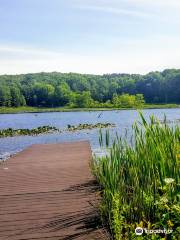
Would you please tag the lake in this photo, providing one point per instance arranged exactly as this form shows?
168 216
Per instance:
123 119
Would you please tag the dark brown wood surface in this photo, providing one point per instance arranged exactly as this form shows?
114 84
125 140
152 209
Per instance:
48 192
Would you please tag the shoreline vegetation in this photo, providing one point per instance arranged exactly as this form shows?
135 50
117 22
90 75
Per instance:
9 132
139 181
27 109
87 91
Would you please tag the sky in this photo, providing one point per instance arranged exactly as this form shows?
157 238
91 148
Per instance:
89 36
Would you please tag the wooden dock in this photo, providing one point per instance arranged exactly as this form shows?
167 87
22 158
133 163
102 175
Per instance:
48 193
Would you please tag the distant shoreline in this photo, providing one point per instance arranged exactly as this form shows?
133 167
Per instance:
15 110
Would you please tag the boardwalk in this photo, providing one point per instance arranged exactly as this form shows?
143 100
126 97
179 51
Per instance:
47 192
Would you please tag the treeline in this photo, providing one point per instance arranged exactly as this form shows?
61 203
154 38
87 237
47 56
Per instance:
82 90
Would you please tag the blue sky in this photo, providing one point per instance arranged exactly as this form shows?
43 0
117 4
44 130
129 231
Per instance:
89 36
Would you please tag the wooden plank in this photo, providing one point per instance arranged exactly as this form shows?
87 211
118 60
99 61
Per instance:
47 192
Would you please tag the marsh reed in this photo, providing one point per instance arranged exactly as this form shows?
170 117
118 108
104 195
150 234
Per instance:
139 180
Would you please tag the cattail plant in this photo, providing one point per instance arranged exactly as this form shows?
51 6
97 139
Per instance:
140 179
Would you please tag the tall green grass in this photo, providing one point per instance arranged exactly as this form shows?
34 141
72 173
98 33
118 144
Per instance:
140 180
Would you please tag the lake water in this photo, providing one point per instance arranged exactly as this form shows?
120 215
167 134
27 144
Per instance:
123 119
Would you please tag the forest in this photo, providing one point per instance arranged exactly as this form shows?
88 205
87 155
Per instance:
85 90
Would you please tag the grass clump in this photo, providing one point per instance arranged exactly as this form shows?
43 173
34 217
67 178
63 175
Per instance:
140 181
83 126
9 132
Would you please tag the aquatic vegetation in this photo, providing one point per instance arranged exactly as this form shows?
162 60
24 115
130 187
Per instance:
9 132
89 126
139 181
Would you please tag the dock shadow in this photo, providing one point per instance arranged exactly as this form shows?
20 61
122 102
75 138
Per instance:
80 223
90 186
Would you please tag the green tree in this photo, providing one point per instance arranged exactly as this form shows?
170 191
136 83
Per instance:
60 89
44 94
81 100
17 97
124 100
139 100
5 96
62 94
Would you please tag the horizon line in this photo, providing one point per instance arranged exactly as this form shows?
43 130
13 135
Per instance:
120 73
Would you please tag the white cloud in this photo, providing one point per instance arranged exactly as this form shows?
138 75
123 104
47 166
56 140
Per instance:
135 57
162 11
27 51
111 46
157 3
119 11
